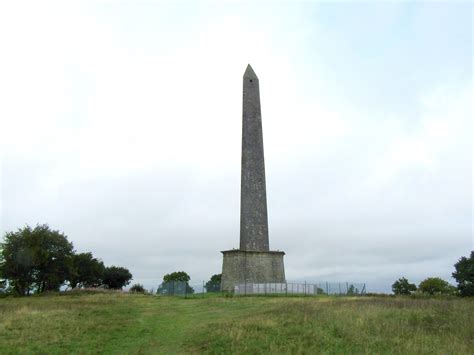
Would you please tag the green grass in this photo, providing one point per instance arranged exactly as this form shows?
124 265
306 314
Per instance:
131 323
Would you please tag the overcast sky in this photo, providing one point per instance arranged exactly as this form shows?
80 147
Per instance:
121 127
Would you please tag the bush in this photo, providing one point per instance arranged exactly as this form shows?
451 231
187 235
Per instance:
137 288
436 286
403 287
464 275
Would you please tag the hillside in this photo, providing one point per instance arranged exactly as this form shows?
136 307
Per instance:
130 323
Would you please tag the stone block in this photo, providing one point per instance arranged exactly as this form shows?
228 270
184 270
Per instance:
244 266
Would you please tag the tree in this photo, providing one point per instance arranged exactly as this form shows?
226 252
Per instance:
137 288
87 271
464 275
179 276
436 286
176 276
116 277
37 259
403 287
214 284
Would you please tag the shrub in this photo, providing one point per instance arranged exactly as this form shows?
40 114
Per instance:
436 286
137 288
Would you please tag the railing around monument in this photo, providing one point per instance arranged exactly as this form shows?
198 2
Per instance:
295 288
184 289
175 288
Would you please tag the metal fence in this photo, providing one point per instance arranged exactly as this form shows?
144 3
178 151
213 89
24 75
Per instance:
185 289
175 288
181 288
295 288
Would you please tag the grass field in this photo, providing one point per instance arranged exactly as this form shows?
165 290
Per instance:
131 323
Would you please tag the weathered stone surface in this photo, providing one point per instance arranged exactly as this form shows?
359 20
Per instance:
253 203
253 262
243 266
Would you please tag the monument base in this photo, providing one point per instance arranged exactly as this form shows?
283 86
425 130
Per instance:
245 266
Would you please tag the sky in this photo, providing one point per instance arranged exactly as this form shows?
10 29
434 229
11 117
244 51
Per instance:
120 125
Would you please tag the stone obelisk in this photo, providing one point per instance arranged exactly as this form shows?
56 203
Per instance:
253 262
253 195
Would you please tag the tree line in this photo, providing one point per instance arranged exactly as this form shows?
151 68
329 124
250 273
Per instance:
36 260
39 259
463 274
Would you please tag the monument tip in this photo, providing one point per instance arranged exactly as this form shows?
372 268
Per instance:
249 73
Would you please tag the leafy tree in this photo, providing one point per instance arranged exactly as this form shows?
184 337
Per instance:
87 271
37 259
214 284
464 275
403 287
176 276
116 277
137 288
179 276
436 286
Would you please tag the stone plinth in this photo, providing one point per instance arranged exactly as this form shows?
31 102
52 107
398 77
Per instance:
246 266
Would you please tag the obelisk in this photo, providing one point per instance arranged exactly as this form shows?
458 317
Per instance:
253 195
253 263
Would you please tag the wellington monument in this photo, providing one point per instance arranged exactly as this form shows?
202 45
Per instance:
253 262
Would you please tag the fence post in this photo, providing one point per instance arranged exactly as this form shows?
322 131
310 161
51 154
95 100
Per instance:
347 288
305 287
340 293
286 289
203 289
327 288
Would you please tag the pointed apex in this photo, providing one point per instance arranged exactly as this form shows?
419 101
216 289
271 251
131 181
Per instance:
249 73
